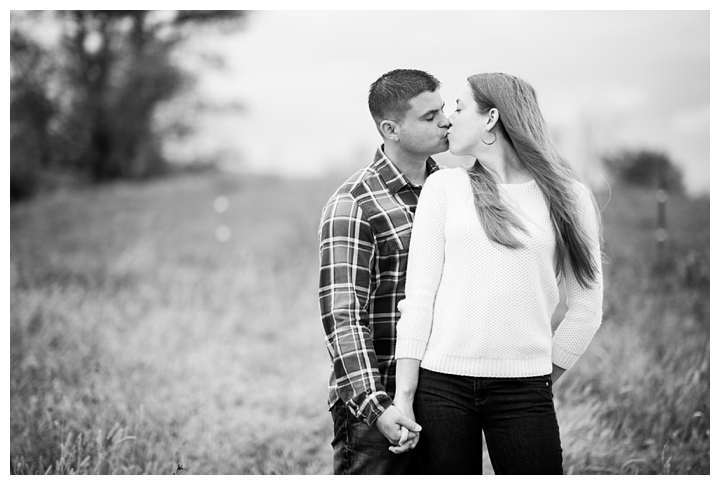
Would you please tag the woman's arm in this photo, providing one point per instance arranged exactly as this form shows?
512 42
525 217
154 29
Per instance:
584 314
426 259
407 371
406 378
425 264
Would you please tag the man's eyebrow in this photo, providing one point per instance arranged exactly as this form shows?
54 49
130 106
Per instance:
432 111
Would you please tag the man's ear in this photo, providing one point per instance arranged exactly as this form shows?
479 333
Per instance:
389 129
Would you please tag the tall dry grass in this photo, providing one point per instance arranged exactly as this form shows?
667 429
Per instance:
140 341
638 401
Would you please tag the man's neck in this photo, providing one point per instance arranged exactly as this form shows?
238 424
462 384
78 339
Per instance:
413 166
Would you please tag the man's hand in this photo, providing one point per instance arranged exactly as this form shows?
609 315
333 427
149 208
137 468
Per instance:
391 424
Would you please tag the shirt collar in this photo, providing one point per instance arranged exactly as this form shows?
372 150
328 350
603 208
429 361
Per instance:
394 179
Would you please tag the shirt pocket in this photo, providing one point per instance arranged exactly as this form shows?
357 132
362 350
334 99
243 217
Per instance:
394 241
391 223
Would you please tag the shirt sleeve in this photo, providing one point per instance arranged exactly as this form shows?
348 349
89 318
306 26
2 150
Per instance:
425 264
584 314
347 252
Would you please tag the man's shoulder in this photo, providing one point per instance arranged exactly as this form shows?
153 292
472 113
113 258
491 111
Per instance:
345 198
358 184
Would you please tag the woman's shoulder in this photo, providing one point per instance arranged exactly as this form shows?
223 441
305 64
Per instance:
447 176
584 199
581 191
447 181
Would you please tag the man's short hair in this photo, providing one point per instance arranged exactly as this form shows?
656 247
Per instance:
389 97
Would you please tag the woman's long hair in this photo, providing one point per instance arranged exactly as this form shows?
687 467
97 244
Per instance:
522 124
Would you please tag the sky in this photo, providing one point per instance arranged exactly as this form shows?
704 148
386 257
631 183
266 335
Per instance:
606 81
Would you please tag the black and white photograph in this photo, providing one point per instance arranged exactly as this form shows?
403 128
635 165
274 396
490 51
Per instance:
367 239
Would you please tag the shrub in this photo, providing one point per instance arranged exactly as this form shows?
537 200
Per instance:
645 168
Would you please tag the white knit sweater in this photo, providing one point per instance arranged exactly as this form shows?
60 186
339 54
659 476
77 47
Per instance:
476 308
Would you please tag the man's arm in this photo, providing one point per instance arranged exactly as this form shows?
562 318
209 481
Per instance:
347 252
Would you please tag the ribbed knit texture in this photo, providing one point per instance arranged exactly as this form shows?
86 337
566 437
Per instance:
476 308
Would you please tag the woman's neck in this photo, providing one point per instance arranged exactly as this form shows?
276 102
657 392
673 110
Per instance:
504 163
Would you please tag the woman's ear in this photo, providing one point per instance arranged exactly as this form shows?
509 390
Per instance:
493 118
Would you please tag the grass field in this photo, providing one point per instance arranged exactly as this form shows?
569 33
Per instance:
139 340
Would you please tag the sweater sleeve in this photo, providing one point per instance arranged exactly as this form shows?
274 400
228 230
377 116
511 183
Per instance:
584 314
424 270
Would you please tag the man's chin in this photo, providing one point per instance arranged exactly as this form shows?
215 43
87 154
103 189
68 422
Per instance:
440 148
445 146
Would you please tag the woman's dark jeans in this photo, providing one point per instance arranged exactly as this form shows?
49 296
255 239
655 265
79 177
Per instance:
517 416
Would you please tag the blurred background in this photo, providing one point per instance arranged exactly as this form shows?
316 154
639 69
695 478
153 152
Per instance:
167 173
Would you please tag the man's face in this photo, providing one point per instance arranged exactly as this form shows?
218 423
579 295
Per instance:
424 129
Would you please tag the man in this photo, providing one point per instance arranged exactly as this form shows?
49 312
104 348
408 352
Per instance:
364 241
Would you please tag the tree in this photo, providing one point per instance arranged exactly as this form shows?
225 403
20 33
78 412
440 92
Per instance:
645 168
31 111
114 69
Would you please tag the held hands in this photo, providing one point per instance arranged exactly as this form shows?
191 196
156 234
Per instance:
406 442
401 430
407 374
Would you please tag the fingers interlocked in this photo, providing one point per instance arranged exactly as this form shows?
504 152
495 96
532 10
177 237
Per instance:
408 440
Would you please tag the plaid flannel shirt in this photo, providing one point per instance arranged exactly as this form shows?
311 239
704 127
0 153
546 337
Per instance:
364 241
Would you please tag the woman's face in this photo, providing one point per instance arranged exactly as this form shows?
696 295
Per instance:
466 125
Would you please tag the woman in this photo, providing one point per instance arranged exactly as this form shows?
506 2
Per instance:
475 349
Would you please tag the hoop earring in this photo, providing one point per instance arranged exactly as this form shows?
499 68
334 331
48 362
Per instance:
483 138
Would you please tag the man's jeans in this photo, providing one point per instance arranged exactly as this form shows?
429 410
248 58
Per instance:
360 449
517 416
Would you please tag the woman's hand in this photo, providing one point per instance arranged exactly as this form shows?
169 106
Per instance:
406 384
408 440
396 426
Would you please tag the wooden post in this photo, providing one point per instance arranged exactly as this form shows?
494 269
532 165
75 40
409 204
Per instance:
661 196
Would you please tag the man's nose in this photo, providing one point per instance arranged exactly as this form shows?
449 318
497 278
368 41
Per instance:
444 121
